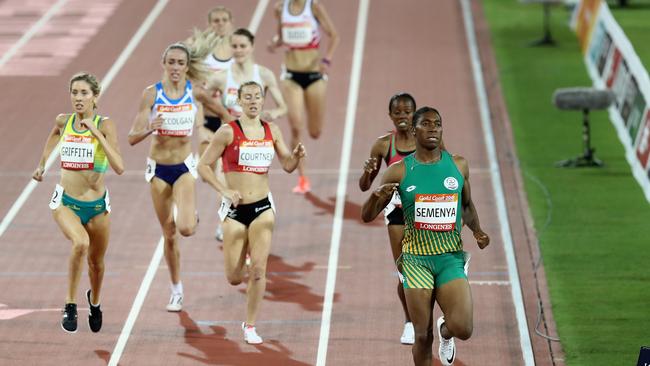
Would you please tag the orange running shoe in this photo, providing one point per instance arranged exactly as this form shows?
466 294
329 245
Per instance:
303 185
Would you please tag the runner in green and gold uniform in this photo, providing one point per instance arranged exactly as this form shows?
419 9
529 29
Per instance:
436 199
80 204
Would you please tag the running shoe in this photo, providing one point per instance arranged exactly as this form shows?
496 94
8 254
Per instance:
303 186
250 334
175 303
94 315
218 234
69 321
408 334
447 349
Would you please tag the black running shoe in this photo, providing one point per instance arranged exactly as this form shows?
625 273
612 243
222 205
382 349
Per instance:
69 321
94 315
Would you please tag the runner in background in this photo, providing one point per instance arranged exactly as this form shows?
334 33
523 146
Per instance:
80 203
220 26
304 72
391 148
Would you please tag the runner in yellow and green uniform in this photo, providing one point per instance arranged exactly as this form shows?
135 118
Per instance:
80 205
436 199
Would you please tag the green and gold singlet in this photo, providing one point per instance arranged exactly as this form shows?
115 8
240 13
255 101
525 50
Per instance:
81 150
431 200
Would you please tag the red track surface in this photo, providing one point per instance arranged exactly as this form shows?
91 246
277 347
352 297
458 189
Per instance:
420 48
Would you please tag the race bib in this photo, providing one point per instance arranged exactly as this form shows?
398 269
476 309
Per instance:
436 212
57 197
256 155
297 34
178 120
77 152
224 209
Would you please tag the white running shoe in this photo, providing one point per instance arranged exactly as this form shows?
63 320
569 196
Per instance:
447 348
218 234
250 334
408 334
175 303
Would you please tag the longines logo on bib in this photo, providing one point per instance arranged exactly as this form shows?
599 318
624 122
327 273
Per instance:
451 183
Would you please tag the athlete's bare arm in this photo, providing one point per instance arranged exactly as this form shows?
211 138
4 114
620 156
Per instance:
382 195
328 28
220 140
276 41
141 126
289 159
217 82
51 142
372 165
470 216
272 87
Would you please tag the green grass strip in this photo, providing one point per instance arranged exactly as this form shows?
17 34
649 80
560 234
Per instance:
593 223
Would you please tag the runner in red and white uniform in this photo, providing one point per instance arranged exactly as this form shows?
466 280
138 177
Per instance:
247 147
304 73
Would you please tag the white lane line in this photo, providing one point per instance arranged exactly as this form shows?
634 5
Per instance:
346 151
106 82
486 123
31 32
258 15
137 304
158 253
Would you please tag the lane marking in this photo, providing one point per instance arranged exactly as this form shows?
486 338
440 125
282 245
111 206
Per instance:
137 303
51 50
158 254
346 151
486 123
31 32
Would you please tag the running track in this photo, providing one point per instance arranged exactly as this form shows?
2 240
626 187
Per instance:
330 296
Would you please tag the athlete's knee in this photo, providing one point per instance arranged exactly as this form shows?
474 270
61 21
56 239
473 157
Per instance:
80 245
186 230
95 265
424 338
169 230
461 330
314 133
257 272
234 278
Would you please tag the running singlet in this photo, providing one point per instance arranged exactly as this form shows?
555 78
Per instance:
248 156
81 150
395 155
178 114
300 31
431 200
229 97
215 64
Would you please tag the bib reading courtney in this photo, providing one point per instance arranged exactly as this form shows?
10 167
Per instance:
256 155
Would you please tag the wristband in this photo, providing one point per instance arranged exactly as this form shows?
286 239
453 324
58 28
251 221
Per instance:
326 61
